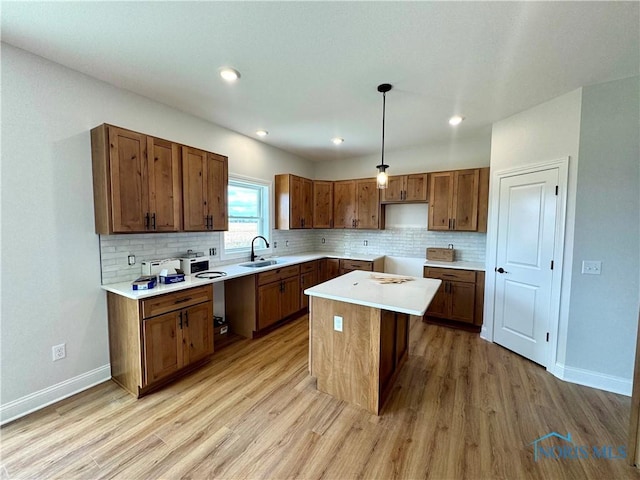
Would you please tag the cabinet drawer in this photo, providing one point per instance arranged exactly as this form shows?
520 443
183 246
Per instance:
278 274
308 267
356 265
173 301
450 274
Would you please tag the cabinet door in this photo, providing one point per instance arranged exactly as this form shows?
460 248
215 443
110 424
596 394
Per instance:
440 197
462 301
465 200
307 280
333 268
290 296
395 189
295 201
328 268
368 204
165 190
322 204
387 347
197 337
129 183
439 306
402 335
162 347
307 203
217 181
344 204
416 187
269 304
194 186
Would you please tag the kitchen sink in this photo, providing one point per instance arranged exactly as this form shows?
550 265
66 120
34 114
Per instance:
259 263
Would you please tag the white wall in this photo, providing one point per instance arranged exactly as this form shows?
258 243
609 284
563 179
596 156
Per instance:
546 132
50 255
598 315
603 312
468 152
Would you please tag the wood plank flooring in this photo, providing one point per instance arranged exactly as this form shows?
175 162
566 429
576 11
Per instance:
460 408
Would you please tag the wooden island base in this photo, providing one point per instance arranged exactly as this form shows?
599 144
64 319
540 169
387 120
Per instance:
360 363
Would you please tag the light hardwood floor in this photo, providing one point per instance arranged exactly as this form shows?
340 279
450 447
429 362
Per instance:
461 408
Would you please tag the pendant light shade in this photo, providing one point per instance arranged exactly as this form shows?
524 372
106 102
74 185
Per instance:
382 178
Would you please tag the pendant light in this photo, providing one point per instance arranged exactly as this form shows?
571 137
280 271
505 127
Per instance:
382 178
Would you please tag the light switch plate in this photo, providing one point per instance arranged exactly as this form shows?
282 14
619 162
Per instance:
591 267
337 323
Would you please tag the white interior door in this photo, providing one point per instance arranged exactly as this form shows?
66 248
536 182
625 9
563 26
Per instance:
523 273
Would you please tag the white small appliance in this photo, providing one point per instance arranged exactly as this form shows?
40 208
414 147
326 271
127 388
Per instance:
154 267
193 265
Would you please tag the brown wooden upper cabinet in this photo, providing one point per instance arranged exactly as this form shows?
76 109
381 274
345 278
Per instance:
204 178
458 200
294 200
411 188
356 204
136 182
322 204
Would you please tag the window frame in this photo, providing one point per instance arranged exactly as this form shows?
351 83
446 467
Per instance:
265 187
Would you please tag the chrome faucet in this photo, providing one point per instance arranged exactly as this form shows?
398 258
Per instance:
253 255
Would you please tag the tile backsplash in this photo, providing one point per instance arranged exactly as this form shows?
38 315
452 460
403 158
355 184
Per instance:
401 242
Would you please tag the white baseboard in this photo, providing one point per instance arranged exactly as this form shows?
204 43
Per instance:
37 400
589 378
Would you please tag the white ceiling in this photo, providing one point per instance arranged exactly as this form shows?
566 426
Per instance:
310 69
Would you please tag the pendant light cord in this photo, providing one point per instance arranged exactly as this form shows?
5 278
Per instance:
384 108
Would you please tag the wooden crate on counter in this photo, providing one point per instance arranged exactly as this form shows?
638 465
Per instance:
441 254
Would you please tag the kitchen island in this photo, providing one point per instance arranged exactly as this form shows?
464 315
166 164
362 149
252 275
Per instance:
359 333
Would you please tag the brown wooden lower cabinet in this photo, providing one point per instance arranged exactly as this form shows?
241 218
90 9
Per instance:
328 268
309 275
154 340
254 303
348 265
460 298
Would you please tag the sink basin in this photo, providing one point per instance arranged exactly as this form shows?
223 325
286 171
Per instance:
259 263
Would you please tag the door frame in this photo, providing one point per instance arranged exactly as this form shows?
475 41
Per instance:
562 164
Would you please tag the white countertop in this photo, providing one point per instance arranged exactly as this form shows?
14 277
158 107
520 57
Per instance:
461 265
360 288
232 271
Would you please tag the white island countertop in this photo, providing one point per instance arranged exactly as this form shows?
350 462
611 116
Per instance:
361 288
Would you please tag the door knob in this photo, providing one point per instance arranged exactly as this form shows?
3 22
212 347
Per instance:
501 270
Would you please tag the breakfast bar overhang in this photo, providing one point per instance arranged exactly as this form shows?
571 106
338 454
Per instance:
359 333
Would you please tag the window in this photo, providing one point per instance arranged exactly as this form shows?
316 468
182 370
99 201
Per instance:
248 208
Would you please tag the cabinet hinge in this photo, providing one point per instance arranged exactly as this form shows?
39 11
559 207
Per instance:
556 190
547 336
551 264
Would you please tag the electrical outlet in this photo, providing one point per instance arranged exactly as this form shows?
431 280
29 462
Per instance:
275 244
591 267
286 243
337 323
366 243
131 259
212 252
323 240
59 351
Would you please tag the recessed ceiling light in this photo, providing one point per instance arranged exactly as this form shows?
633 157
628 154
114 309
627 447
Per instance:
337 140
262 133
455 120
229 74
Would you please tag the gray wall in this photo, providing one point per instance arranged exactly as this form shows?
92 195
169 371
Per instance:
603 311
